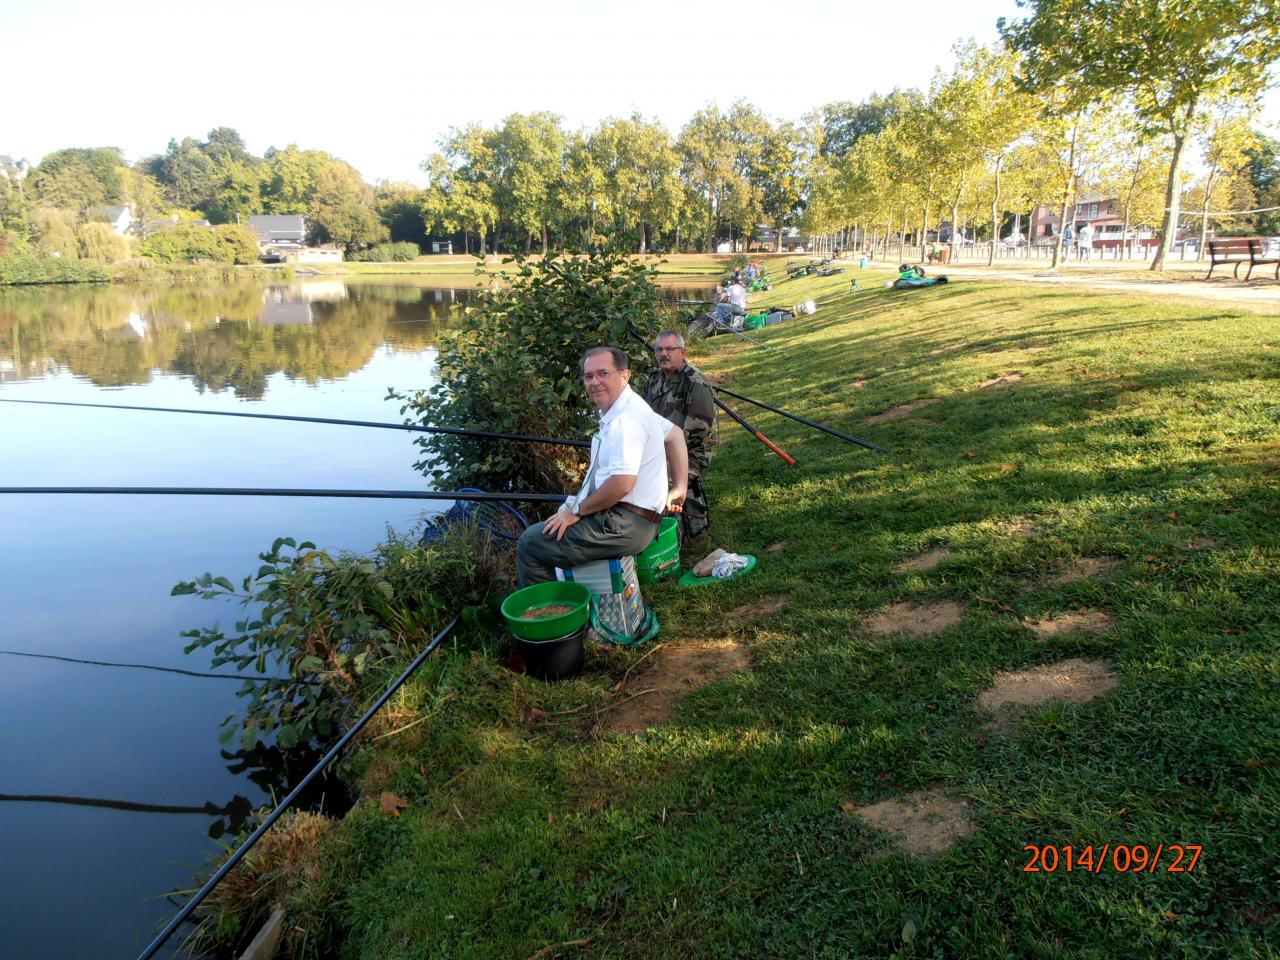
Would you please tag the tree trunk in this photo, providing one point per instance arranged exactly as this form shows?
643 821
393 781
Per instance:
924 230
777 246
1124 234
643 243
1204 226
1172 197
995 214
711 222
1068 187
544 239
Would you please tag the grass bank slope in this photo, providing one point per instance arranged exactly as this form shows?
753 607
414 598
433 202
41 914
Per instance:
1049 616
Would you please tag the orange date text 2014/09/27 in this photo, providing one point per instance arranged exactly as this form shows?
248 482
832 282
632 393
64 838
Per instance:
1116 858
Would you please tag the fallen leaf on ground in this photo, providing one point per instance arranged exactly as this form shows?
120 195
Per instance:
530 715
391 805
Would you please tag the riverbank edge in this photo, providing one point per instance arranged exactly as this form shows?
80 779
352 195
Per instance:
461 814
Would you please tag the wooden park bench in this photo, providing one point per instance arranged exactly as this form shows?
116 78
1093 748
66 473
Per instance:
1241 250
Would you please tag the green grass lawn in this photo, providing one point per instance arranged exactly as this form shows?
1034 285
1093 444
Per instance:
1142 434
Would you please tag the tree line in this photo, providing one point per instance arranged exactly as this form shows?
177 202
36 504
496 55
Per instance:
1108 97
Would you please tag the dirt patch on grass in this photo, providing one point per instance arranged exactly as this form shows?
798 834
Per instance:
917 619
1068 681
756 610
776 548
945 348
1084 568
1085 620
897 413
1022 529
719 379
1198 543
922 824
925 561
859 384
1002 381
677 671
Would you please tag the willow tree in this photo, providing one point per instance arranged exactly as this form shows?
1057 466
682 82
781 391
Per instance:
1170 57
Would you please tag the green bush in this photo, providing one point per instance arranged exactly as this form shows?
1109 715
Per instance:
323 620
400 252
186 243
22 266
511 366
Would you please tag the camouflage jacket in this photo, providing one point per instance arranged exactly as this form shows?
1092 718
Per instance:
685 399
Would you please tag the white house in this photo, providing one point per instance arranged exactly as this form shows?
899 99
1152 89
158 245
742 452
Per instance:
12 169
279 234
120 218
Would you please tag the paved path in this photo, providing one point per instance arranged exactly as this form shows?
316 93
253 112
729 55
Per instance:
1257 292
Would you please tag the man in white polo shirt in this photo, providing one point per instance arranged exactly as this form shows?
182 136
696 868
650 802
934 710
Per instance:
618 509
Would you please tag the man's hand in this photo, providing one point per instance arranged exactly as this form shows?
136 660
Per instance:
675 500
560 521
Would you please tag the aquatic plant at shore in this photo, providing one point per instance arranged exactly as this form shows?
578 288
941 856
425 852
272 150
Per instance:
315 622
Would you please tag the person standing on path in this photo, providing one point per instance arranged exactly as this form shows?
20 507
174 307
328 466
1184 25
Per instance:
677 391
618 509
1084 240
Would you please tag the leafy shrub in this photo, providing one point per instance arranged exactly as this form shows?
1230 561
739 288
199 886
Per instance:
738 261
227 243
512 366
323 620
23 266
399 252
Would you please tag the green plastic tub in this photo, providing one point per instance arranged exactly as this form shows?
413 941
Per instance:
662 557
576 595
755 321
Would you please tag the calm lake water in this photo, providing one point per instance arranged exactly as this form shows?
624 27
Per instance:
85 871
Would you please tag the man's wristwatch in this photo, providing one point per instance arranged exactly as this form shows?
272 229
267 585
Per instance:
576 508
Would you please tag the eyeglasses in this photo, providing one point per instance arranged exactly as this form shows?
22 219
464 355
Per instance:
666 349
589 375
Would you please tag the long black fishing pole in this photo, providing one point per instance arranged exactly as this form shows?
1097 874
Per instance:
804 420
280 492
149 666
127 805
414 428
284 805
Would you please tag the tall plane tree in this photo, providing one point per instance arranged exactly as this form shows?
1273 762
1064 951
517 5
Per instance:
1170 58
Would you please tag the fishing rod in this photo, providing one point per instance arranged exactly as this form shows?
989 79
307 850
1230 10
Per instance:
284 805
127 805
284 492
724 326
149 666
451 431
804 420
787 458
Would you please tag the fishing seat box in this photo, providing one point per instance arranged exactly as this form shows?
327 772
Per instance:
616 589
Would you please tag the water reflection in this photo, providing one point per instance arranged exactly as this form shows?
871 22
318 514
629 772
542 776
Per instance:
226 338
118 766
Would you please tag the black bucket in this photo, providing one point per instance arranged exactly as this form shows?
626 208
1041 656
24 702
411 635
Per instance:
556 659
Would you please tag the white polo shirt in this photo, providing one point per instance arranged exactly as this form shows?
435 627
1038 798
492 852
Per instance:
738 295
630 443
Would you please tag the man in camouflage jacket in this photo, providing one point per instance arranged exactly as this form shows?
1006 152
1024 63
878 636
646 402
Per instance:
679 392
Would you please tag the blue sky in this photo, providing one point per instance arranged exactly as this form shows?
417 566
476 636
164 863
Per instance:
377 83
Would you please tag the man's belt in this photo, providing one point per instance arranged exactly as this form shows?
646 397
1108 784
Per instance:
653 516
